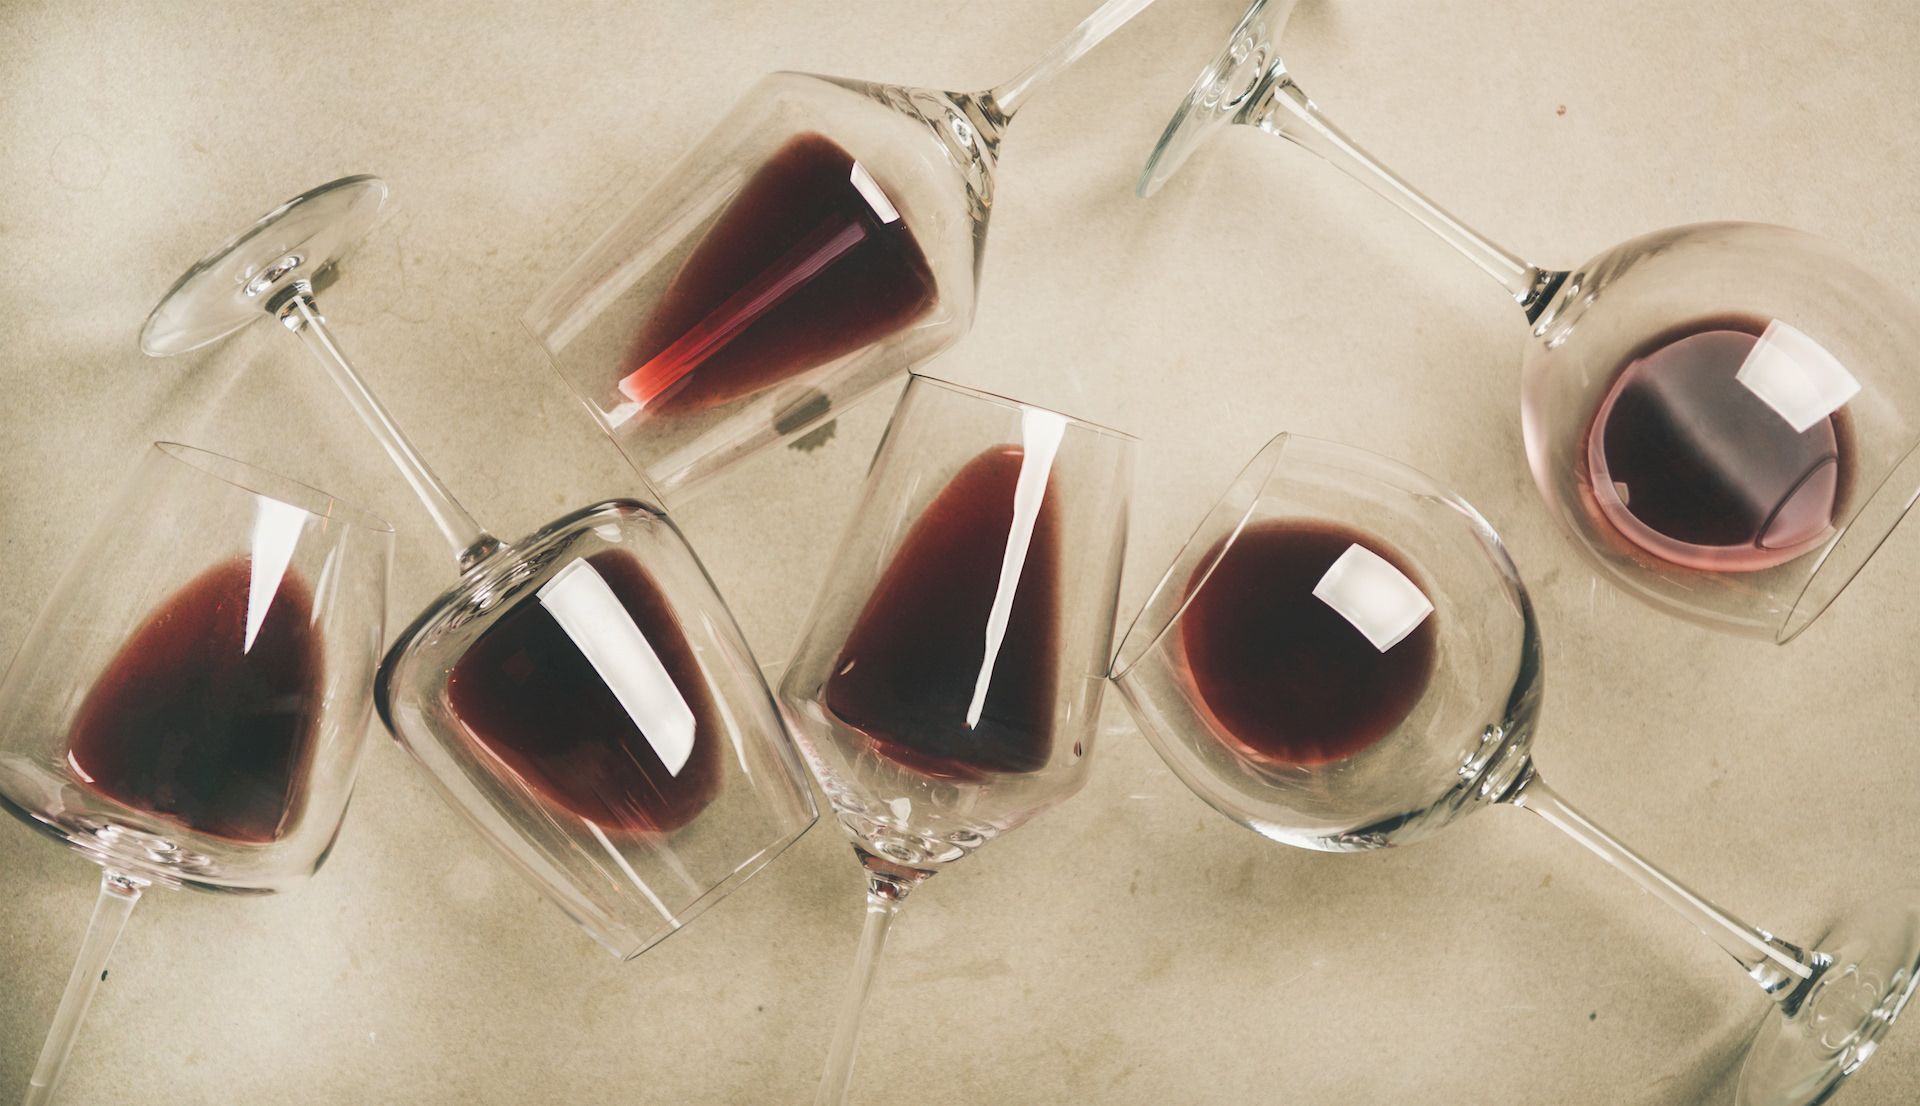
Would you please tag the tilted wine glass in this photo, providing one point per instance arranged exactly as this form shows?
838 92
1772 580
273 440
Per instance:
824 237
1342 657
946 687
583 695
190 706
1723 415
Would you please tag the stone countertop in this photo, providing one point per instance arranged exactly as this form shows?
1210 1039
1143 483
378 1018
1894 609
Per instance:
1131 946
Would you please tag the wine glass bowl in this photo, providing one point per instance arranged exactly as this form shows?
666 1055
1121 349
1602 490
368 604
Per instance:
1762 500
881 687
191 704
947 686
1449 727
1719 414
582 697
573 781
1318 567
824 236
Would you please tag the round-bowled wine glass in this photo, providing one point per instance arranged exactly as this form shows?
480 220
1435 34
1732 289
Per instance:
189 707
947 685
1722 415
825 236
1342 658
582 696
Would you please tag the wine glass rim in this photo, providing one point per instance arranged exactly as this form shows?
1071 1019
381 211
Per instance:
272 485
1018 404
1794 622
1269 455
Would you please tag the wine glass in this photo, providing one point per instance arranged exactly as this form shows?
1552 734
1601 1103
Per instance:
189 707
824 237
1343 658
947 685
1722 415
583 696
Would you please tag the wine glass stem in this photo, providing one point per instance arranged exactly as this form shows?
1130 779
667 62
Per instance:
884 897
1105 20
470 543
1782 969
1279 106
118 895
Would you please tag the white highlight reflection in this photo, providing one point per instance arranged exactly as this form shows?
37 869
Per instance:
1367 591
1040 434
871 191
586 608
1796 376
276 531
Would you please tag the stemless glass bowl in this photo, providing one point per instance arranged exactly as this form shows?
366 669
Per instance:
1612 309
930 171
184 510
628 890
1467 735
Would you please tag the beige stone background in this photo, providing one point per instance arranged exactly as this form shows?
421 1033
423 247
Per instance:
1131 946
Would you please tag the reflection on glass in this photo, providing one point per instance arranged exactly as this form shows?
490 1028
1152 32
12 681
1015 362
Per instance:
1374 596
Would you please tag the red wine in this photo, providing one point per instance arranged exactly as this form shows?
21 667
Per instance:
191 723
809 262
1692 466
909 671
536 705
1286 677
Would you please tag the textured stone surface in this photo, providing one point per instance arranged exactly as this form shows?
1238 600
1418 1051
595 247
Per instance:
1131 946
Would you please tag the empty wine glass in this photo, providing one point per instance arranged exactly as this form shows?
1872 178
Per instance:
946 687
189 707
823 238
583 696
1343 658
1722 415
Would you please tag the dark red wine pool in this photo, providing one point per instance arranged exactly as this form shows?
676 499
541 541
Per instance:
808 263
1286 677
1718 476
535 703
191 724
908 672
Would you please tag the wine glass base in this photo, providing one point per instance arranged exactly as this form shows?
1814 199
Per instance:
230 287
1802 1058
1223 88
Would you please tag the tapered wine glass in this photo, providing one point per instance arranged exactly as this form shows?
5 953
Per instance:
823 238
583 695
1343 658
1723 415
948 681
189 707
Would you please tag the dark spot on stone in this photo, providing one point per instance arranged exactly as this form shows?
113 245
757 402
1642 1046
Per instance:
817 437
103 975
1593 1015
801 412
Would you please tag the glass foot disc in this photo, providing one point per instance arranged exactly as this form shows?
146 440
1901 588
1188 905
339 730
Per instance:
1803 1059
311 231
1222 88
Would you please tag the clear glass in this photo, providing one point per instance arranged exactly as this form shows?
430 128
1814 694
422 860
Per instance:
1749 483
583 696
823 238
627 887
948 682
1463 744
163 718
